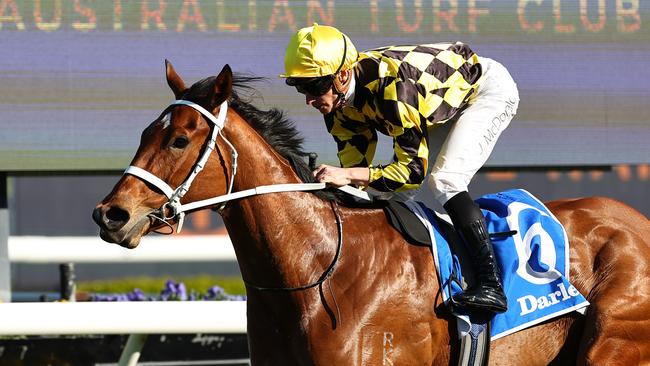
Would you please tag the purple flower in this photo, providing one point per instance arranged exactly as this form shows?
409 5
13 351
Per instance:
181 291
172 291
136 295
214 293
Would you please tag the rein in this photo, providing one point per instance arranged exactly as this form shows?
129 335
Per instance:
178 209
174 205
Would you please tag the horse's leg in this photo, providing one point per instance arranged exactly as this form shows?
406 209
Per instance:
617 328
613 244
270 343
265 346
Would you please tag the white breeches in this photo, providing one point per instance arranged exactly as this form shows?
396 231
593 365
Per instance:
460 147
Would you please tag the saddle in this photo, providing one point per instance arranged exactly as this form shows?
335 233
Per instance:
405 221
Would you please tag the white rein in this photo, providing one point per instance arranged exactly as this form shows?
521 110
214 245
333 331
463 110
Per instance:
178 209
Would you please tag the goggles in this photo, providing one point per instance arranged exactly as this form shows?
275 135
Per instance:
312 86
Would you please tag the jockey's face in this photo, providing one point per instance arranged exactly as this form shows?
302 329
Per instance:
321 93
325 103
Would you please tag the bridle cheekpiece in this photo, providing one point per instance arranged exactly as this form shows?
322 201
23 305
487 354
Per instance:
173 205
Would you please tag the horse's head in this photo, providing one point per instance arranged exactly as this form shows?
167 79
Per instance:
170 148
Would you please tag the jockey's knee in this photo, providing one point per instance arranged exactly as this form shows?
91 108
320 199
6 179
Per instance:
446 185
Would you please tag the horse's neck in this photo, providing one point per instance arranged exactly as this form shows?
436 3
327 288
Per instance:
279 236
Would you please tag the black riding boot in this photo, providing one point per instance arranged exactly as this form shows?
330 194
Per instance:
487 294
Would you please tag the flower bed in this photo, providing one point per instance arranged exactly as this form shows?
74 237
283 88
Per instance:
172 291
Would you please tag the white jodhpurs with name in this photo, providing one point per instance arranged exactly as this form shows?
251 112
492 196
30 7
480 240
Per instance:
462 145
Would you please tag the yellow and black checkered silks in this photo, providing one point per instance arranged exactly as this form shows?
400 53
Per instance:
400 92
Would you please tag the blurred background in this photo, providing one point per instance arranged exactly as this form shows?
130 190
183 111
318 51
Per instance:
80 80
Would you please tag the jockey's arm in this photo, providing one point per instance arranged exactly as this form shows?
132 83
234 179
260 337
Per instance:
357 142
342 176
411 151
406 172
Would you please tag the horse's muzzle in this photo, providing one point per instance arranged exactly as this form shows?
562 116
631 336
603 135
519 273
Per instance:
110 218
112 221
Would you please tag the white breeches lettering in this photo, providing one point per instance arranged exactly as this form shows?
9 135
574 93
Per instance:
460 147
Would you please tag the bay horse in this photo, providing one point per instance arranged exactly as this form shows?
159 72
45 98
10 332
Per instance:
363 295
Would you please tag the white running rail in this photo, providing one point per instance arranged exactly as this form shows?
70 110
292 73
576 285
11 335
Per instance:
89 249
135 318
146 317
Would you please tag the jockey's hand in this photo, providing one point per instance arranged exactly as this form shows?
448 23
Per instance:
341 176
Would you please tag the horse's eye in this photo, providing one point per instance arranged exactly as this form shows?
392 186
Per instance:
180 142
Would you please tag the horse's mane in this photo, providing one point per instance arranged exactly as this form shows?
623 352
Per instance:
273 125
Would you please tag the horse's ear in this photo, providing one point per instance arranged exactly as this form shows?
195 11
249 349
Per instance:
174 81
222 86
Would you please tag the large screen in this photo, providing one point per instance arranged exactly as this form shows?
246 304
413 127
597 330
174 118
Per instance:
80 79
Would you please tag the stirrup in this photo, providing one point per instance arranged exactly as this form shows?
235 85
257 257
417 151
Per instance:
453 278
494 308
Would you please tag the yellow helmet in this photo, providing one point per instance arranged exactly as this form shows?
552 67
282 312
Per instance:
318 51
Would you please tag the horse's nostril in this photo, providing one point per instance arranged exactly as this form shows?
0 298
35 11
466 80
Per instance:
113 218
117 215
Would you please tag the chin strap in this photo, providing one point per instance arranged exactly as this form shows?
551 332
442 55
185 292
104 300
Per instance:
340 89
338 86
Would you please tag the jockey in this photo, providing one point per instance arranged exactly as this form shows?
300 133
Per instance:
405 92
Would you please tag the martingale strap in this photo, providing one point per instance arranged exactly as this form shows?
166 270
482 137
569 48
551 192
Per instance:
326 274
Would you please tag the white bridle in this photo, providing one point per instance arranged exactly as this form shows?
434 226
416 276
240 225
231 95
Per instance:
175 195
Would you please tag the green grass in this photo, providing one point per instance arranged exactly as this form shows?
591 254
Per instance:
233 285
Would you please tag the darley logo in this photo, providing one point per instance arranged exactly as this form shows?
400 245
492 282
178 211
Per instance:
541 270
529 303
537 260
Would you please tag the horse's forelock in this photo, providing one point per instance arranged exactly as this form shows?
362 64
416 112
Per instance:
200 92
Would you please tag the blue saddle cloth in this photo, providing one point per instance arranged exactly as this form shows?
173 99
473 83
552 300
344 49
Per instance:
534 262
